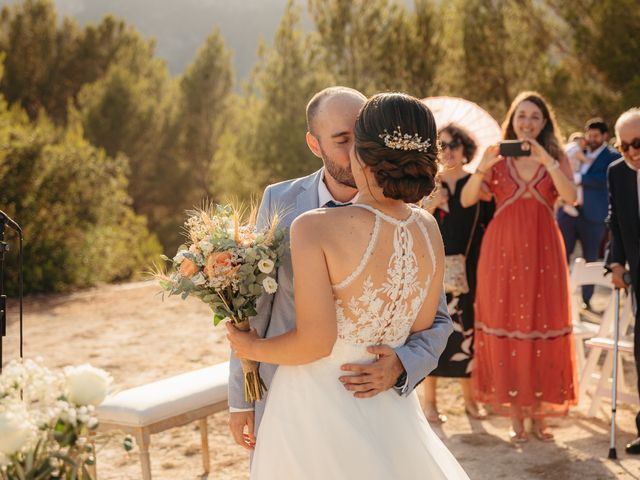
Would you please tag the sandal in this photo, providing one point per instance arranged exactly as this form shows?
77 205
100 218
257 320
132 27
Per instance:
480 413
433 416
518 437
542 433
517 432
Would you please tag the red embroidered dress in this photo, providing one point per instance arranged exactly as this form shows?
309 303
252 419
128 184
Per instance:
524 346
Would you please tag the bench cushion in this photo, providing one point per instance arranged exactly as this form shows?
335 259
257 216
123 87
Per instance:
153 402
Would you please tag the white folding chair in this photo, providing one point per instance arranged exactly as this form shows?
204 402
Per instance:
583 273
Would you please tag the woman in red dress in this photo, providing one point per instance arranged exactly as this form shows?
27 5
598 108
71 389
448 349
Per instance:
525 365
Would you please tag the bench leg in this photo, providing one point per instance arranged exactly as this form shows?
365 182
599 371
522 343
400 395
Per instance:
142 439
204 438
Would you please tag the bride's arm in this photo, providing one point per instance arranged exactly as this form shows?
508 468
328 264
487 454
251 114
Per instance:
430 307
316 327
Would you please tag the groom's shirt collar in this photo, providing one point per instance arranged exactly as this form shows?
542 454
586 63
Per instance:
324 195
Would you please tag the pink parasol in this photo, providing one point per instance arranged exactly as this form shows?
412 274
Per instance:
472 118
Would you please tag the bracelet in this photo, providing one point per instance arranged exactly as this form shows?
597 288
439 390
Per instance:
554 166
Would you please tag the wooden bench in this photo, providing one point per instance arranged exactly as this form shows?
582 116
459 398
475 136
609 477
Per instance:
171 402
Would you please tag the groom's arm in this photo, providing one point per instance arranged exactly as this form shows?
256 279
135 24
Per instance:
404 367
420 354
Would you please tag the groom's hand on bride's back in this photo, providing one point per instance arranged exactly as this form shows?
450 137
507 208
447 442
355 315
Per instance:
238 421
367 380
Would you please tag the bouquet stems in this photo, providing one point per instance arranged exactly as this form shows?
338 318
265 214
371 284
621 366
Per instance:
254 387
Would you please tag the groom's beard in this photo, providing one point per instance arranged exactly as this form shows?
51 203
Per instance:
339 174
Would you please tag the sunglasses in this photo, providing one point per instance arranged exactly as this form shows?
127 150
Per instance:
453 144
624 147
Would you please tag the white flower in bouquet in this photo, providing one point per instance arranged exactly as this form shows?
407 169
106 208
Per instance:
270 285
17 430
86 385
266 265
179 257
199 279
205 247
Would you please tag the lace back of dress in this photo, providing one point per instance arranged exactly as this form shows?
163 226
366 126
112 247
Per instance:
379 302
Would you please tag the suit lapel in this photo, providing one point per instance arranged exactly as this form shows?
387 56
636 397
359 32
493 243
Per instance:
307 199
631 197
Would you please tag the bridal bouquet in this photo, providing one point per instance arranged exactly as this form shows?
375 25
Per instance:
46 419
227 264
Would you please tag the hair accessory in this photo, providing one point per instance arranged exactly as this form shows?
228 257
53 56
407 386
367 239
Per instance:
399 141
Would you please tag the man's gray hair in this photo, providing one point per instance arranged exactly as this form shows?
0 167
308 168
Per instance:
630 115
314 104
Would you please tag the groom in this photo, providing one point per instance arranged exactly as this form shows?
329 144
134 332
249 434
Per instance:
331 116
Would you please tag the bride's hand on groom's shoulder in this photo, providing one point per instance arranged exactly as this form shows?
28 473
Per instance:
242 343
368 380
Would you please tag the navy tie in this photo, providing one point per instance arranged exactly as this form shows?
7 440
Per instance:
332 204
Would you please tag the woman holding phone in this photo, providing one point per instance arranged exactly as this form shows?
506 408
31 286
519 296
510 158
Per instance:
524 346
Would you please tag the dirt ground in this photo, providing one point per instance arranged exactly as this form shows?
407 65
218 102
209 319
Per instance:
129 331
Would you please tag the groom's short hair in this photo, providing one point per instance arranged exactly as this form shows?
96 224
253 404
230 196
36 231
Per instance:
314 104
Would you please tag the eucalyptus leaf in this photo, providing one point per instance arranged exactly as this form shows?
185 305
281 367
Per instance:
217 318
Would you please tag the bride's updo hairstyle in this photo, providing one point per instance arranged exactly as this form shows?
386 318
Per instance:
395 136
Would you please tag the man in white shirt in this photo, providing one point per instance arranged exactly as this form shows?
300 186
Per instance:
574 150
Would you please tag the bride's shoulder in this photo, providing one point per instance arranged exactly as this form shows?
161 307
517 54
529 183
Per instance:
426 218
326 223
310 224
431 224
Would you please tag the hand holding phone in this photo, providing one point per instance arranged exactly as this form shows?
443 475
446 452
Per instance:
515 148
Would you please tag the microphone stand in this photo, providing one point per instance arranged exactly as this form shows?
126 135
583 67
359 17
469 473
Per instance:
4 248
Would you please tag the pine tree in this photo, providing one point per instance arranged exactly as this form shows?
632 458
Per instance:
376 45
498 48
601 48
46 64
203 113
287 76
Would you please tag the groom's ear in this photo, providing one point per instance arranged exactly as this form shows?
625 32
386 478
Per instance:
314 145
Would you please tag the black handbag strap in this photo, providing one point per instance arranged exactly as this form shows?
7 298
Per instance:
473 230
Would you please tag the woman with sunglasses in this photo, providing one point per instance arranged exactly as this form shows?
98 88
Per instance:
462 230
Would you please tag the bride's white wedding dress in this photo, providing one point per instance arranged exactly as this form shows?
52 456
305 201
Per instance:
315 429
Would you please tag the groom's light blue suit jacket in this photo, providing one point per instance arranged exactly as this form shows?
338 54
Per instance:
276 313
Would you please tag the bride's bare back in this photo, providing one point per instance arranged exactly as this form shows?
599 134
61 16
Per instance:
385 273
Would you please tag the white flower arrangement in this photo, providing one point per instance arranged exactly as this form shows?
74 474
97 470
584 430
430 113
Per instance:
45 419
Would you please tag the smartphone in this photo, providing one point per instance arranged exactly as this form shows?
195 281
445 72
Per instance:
515 148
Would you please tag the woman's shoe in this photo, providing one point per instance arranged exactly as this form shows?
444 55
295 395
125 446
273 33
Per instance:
542 433
433 416
476 411
436 418
518 437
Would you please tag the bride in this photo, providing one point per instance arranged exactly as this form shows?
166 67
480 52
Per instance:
365 274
